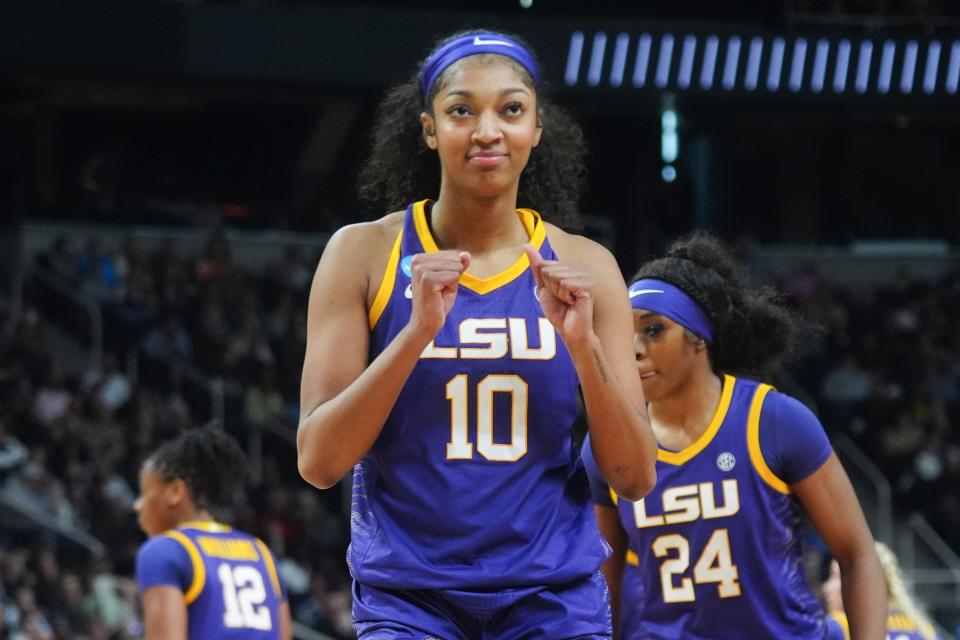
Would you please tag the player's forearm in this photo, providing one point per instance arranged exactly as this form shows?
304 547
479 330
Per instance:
864 595
622 441
339 432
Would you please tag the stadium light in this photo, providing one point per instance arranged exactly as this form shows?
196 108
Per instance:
619 64
643 60
597 52
574 54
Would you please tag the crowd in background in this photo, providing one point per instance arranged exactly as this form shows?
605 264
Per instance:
884 369
72 436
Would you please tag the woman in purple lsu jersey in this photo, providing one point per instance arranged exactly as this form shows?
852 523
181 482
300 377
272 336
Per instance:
714 550
446 342
200 579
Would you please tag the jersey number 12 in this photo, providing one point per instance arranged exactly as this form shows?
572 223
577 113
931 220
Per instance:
244 596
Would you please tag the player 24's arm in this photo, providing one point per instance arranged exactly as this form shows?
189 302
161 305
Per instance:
344 402
826 494
623 442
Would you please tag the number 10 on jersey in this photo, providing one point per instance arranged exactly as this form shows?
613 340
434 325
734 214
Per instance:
459 447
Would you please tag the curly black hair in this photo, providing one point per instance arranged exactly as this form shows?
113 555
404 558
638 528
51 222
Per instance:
752 330
209 461
400 168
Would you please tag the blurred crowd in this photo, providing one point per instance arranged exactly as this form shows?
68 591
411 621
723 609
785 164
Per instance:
884 369
72 436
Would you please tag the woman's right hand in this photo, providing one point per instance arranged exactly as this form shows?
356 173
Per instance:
435 280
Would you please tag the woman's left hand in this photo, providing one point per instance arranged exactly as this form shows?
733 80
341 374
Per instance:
565 292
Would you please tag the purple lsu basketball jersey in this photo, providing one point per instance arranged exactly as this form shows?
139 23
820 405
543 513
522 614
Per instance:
715 549
475 482
229 580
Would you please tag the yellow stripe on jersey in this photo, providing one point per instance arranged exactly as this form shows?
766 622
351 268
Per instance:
531 221
680 457
841 618
633 558
386 285
753 441
199 570
423 228
271 567
614 496
228 548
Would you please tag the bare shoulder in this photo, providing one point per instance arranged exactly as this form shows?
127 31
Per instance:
572 247
368 238
357 254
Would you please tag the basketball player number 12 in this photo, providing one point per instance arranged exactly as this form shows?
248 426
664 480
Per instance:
459 447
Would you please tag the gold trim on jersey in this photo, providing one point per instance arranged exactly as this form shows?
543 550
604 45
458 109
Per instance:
386 285
199 570
753 441
271 567
531 221
680 457
841 619
633 558
229 548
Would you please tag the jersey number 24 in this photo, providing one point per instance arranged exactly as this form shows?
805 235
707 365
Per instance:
715 565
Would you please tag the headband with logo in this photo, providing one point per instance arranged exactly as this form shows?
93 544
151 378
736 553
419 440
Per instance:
667 300
473 44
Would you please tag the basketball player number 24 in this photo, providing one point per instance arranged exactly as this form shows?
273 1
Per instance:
714 565
459 447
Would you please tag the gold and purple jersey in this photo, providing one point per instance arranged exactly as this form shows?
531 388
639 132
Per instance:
228 578
475 482
715 547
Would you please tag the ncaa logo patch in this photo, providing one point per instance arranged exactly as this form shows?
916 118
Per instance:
405 265
726 461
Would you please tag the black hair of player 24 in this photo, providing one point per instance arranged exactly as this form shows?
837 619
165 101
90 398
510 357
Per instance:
400 168
208 460
752 330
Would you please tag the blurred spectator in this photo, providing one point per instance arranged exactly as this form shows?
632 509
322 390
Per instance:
53 398
263 401
169 340
97 272
59 260
109 386
216 261
845 388
13 454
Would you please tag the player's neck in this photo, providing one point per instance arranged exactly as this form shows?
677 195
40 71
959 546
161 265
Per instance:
682 416
195 516
477 225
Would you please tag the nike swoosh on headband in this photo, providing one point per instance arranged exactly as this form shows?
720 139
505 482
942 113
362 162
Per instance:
640 292
478 41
